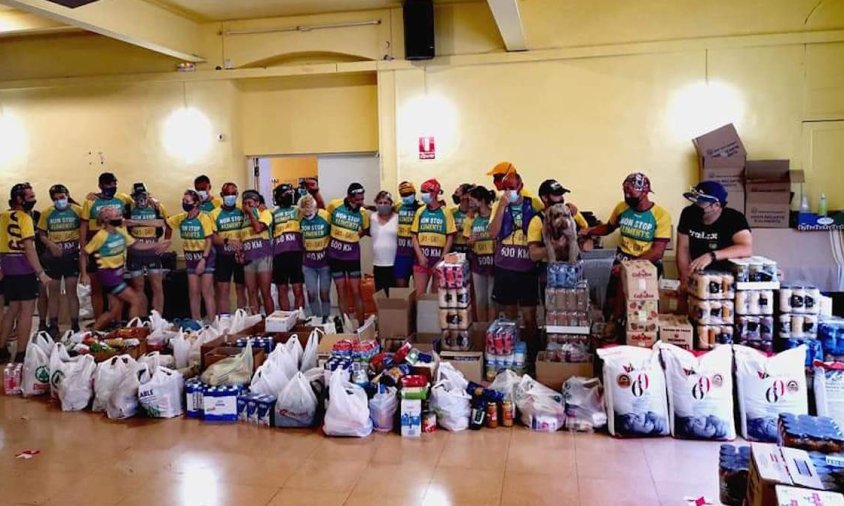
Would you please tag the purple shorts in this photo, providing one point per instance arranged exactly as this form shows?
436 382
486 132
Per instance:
112 280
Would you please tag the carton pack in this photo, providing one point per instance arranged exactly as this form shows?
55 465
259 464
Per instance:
793 496
396 312
677 330
639 278
768 187
470 363
669 296
642 339
771 465
554 374
281 321
723 142
428 314
642 315
411 417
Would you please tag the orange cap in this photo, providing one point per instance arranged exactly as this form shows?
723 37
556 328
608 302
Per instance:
501 169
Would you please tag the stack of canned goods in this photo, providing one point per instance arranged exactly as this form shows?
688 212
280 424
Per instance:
712 308
754 270
219 403
194 391
565 274
733 468
455 305
504 350
264 342
799 307
12 375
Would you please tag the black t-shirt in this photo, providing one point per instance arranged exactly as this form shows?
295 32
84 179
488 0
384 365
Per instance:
705 238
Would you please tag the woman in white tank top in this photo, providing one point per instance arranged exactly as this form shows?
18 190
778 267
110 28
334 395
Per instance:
384 228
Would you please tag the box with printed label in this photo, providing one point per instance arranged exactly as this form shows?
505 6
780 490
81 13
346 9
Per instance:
677 330
771 465
411 417
639 278
670 297
642 315
793 496
396 312
642 339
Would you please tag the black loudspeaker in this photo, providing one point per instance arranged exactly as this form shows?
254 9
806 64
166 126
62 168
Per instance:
419 29
72 3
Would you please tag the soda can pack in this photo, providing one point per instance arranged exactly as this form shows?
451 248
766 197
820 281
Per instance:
365 350
194 392
266 343
336 364
12 375
219 403
565 274
453 276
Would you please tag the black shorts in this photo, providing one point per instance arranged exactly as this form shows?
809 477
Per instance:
92 264
516 288
343 268
138 264
287 268
65 266
226 268
18 287
385 278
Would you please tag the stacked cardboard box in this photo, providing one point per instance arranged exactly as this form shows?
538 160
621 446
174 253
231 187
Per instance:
677 330
722 158
641 292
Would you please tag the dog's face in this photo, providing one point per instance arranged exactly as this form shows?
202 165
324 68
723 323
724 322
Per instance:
559 220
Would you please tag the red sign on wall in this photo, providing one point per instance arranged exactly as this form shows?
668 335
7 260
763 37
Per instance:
427 150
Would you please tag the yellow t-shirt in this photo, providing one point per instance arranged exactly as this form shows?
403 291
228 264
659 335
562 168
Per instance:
483 249
257 244
91 209
62 227
193 232
534 234
110 247
142 214
346 228
15 228
640 229
432 229
209 205
535 201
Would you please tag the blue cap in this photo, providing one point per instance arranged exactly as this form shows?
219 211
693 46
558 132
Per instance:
707 192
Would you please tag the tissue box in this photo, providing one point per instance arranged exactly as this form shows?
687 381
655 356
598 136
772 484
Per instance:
411 418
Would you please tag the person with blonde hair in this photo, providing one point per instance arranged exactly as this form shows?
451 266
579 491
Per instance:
315 226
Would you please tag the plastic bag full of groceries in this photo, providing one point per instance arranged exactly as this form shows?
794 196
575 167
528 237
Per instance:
584 401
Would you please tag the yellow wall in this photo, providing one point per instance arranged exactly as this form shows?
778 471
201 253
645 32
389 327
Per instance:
288 169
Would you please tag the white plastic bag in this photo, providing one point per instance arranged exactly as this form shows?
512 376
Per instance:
270 378
157 322
297 404
123 402
829 390
309 355
541 408
700 392
58 358
768 386
584 401
348 410
181 349
76 388
295 348
108 375
450 400
83 293
506 382
136 322
382 410
234 371
635 393
155 360
163 395
36 366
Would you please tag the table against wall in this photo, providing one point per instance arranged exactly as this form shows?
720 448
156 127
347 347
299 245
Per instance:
813 257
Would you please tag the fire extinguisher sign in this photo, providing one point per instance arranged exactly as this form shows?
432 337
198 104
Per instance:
427 150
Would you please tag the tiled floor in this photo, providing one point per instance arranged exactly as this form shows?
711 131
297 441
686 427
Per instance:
88 460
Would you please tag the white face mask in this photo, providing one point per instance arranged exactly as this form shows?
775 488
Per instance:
203 195
513 195
309 213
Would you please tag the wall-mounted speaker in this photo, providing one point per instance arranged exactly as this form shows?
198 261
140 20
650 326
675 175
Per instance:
72 3
419 29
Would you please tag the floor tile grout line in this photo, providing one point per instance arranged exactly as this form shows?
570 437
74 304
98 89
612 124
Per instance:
506 463
576 471
273 496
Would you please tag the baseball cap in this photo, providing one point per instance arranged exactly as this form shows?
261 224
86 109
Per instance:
639 181
432 186
552 187
355 189
707 192
501 169
284 188
138 188
107 178
406 188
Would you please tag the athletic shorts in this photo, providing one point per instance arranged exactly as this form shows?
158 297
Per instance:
263 264
138 264
227 268
287 268
20 287
193 259
65 266
344 268
112 280
403 267
516 288
92 263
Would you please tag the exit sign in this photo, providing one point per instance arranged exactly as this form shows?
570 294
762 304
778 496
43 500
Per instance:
427 150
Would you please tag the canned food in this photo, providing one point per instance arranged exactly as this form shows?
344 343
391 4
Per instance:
429 422
508 413
492 415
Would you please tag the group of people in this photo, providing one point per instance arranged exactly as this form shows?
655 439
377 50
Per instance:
116 243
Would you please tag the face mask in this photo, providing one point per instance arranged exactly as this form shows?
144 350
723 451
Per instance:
285 200
109 192
512 195
203 195
310 213
409 200
141 202
427 198
115 223
28 205
187 207
61 204
455 199
229 200
384 209
632 202
303 192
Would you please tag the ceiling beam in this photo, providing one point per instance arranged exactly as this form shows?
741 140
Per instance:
14 23
509 21
133 21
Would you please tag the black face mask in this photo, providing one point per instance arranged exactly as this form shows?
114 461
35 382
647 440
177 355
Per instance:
109 191
28 205
115 223
455 199
633 202
696 211
285 200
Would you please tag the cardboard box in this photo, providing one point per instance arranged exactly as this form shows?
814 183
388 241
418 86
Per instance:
670 297
470 363
643 339
793 496
639 279
396 312
223 352
768 187
327 343
428 314
812 222
281 321
411 418
677 330
554 374
642 316
771 465
723 142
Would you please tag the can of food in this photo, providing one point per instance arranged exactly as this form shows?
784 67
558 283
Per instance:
785 299
492 414
429 422
508 413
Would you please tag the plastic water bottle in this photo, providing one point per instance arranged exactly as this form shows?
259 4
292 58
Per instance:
822 210
804 204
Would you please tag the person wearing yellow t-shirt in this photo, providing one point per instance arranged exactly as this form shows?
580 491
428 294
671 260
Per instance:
145 221
21 268
349 222
405 255
645 231
58 228
316 234
257 251
287 249
481 250
196 230
460 212
207 201
108 249
433 232
545 231
228 223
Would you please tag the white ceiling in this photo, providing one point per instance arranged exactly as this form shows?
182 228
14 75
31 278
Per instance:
221 10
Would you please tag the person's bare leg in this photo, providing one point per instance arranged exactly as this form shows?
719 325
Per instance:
8 322
223 297
341 285
420 283
113 313
137 285
96 295
72 301
298 296
265 280
530 335
401 283
354 283
283 296
194 297
24 323
131 297
54 294
240 295
43 309
156 284
252 291
209 297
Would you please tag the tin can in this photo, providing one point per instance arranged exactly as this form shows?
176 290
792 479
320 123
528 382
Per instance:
429 422
492 415
785 299
508 413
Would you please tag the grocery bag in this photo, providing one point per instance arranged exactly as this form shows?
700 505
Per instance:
163 395
309 355
76 388
36 365
108 375
295 348
541 408
58 358
233 371
450 400
382 410
270 378
584 401
297 404
506 382
829 390
123 402
348 410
